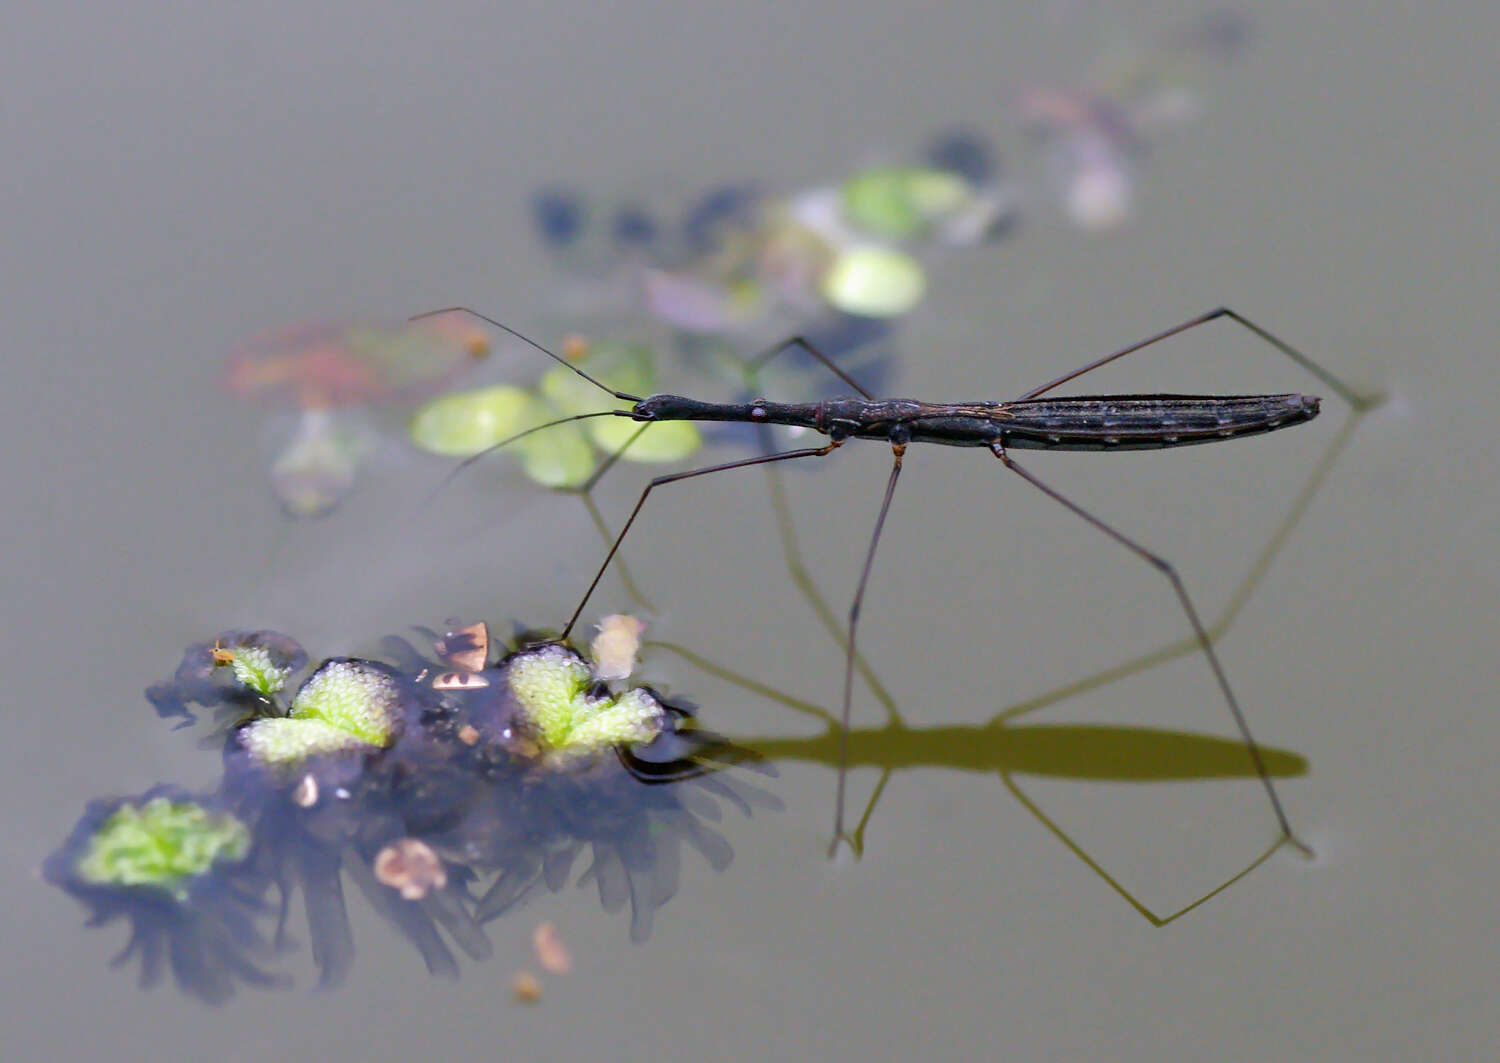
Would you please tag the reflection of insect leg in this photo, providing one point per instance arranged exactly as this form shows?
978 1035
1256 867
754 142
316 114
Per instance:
1166 568
1160 563
845 639
899 448
1093 865
789 547
786 455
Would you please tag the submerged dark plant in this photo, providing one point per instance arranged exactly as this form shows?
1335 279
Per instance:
177 868
447 789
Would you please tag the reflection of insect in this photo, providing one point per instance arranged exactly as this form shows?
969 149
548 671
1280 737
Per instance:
1096 422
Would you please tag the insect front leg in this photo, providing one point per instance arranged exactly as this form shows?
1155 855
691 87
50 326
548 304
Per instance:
763 459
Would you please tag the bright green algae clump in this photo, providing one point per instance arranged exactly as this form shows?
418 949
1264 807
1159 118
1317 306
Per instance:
346 705
552 684
257 669
161 844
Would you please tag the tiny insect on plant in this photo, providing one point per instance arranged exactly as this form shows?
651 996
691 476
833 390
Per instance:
1034 421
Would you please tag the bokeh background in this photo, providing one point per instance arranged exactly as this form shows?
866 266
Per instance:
178 177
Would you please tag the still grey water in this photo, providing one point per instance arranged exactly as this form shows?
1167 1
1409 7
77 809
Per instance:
181 179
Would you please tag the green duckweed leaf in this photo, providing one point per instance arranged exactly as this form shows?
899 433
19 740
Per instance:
874 282
661 442
463 423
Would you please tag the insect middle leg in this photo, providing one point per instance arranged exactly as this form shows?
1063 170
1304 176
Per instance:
898 447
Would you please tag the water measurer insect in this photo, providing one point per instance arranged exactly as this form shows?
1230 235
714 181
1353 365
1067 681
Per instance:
1031 422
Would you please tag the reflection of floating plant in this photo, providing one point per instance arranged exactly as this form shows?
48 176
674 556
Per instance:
465 423
739 257
326 375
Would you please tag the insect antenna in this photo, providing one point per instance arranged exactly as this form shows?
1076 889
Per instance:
622 395
487 451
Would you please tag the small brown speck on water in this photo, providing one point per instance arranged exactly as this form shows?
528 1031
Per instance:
551 952
526 987
411 867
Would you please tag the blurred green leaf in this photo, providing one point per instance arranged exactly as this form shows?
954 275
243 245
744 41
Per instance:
463 423
874 282
558 457
899 203
661 442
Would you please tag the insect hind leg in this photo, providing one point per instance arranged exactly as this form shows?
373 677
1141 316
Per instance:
1357 401
1200 633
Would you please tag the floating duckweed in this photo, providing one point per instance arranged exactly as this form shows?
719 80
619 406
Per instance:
665 441
286 741
345 705
257 669
352 696
466 423
558 457
463 423
632 717
552 684
874 282
548 681
161 844
901 203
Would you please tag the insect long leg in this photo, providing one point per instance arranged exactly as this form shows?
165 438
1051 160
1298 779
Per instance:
1167 569
760 360
1343 390
796 567
899 448
763 459
846 639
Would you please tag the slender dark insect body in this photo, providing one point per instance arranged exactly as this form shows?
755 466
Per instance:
1101 422
1031 422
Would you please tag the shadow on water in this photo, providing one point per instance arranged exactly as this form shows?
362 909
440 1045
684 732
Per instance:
1096 753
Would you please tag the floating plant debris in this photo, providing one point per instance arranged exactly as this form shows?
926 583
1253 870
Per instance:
616 645
466 423
161 844
526 987
448 789
346 705
177 868
411 868
327 376
551 952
